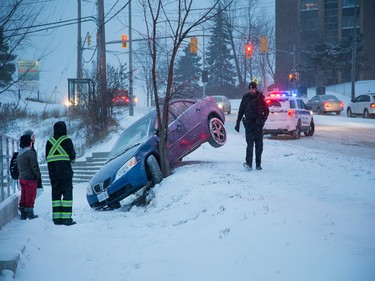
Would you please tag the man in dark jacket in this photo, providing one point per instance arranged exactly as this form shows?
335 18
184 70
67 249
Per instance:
256 111
60 155
29 176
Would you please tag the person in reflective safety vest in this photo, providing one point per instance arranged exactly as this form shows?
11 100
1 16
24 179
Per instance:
60 155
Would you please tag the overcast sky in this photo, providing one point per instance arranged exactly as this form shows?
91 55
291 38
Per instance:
58 48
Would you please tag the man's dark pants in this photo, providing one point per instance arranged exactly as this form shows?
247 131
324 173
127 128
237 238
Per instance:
254 135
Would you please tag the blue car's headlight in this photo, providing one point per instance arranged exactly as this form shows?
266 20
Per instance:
89 190
126 167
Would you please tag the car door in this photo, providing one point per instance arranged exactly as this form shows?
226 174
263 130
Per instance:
359 104
180 130
314 103
303 112
364 103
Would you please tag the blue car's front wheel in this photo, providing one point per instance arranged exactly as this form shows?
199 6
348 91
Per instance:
154 169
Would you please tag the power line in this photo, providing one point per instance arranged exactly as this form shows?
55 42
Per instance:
47 26
60 23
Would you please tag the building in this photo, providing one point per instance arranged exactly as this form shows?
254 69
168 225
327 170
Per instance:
300 24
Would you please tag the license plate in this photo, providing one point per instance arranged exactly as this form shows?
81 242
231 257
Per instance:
103 196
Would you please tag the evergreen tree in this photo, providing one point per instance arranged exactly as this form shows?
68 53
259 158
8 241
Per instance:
7 67
327 58
219 58
187 74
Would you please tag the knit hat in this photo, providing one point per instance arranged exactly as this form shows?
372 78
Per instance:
28 132
25 141
252 85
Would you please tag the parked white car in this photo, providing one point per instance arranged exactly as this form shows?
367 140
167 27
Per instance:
363 105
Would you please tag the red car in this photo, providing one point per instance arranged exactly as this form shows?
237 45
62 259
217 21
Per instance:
121 98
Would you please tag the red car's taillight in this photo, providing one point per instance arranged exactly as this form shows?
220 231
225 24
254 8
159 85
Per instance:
326 104
341 104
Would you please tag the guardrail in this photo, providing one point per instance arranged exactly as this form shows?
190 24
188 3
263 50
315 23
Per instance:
8 186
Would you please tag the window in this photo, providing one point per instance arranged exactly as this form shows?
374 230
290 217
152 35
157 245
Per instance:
178 108
292 104
301 104
349 14
349 3
365 98
362 98
309 5
310 24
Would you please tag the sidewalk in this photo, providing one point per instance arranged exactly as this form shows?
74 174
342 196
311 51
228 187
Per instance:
12 245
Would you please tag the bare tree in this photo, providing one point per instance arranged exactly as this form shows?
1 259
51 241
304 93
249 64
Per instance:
184 21
247 24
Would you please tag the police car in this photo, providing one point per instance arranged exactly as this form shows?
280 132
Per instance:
288 115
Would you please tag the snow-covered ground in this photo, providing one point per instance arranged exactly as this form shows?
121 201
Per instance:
308 215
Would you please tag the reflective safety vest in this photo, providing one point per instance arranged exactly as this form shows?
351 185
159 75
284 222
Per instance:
57 152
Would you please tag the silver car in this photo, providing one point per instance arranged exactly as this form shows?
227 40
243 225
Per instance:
363 105
325 104
223 103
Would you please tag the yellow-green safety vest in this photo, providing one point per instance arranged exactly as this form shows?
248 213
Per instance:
56 147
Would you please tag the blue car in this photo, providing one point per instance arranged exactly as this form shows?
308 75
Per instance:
133 162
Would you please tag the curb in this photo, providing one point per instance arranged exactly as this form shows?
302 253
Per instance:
9 258
8 209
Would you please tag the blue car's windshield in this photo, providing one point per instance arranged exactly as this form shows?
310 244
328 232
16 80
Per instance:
136 134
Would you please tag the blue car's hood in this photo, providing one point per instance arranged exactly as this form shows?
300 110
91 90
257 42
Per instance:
110 168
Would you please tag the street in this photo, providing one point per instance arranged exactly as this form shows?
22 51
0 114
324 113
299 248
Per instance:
333 133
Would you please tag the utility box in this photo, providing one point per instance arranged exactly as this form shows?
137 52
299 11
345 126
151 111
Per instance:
302 91
320 90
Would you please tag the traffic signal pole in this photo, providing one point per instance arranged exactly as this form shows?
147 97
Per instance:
294 68
131 96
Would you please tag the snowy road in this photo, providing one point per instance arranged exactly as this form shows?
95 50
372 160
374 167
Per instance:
334 133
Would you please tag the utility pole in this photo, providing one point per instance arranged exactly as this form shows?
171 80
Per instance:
102 68
131 96
79 43
354 52
294 68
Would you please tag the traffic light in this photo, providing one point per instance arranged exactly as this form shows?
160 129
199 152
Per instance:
291 77
193 45
294 76
124 39
249 50
264 45
88 39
